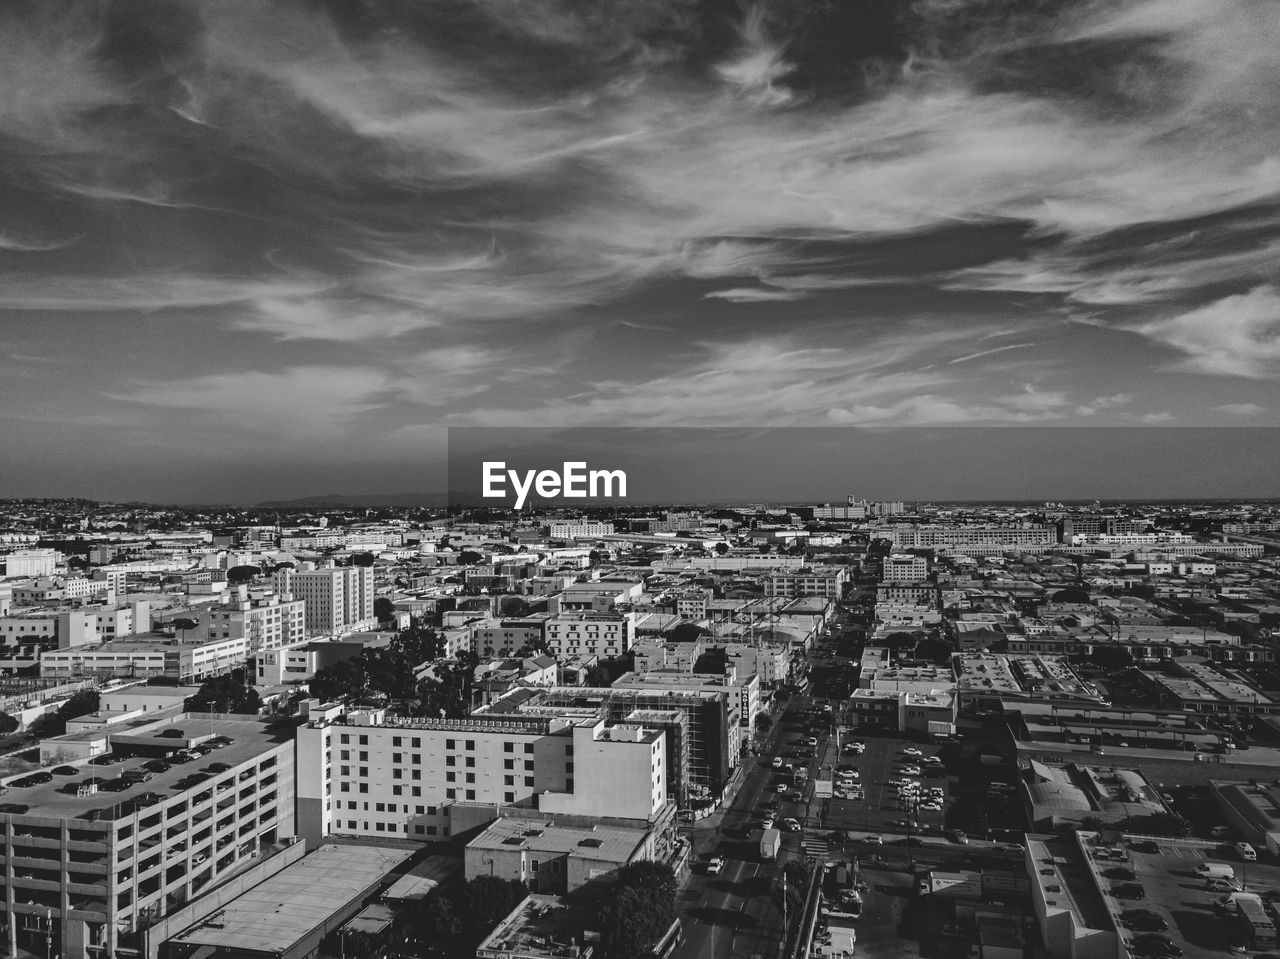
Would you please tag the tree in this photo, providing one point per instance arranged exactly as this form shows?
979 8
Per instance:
636 910
384 609
1111 657
225 694
764 723
721 548
7 724
1161 824
935 649
84 703
484 902
363 559
469 557
242 574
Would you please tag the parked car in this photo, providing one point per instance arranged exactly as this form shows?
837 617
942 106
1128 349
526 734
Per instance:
157 766
714 867
219 767
64 770
1144 920
791 825
912 751
173 732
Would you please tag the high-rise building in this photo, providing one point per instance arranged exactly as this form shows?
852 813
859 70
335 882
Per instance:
334 599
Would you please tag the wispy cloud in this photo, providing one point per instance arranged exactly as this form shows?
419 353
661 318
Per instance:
1234 336
1241 409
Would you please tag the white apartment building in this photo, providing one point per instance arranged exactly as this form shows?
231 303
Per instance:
905 567
334 599
826 582
580 530
31 562
364 774
76 627
691 604
144 657
996 537
267 622
770 661
589 634
500 638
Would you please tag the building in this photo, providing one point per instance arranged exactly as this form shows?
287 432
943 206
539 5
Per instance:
501 638
31 562
267 622
553 858
90 870
365 774
964 538
581 530
905 567
542 927
824 582
322 891
1071 912
335 600
605 635
144 656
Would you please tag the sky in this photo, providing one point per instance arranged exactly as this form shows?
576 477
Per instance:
254 251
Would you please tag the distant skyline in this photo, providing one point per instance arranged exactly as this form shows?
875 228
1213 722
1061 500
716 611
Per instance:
261 251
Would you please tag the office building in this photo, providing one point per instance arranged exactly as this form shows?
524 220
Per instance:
335 600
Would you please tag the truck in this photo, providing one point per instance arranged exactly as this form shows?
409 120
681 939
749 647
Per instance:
770 843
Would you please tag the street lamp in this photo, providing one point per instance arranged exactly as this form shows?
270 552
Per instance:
48 932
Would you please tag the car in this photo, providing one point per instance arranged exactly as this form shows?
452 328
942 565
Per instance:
40 777
64 770
116 785
1144 920
911 770
912 751
157 766
958 835
199 857
1129 890
777 762
218 742
895 782
138 775
16 808
933 760
172 732
905 824
1154 944
873 840
811 741
931 806
1167 798
1014 847
1220 832
219 767
203 749
106 759
715 866
781 788
791 825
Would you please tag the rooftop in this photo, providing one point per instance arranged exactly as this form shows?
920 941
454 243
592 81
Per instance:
610 843
251 736
541 926
275 914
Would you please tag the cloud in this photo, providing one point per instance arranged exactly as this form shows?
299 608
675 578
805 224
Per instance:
296 401
1234 336
753 295
1241 409
1100 403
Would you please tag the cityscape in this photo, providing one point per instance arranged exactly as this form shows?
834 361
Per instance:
639 479
872 728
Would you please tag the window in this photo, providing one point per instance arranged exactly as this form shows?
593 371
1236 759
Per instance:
451 777
508 780
397 757
395 790
344 787
508 747
395 740
416 759
508 764
345 754
451 794
417 790
528 780
471 777
471 794
379 807
344 739
450 744
568 785
420 810
417 742
471 744
364 771
364 740
344 770
364 787
451 760
471 762
415 773
528 765
568 749
397 774
568 767
528 748
364 755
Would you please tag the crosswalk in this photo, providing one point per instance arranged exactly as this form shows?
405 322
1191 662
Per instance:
816 847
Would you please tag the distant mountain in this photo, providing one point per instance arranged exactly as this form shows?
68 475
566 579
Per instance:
330 500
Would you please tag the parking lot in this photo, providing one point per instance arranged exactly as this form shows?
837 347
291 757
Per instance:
881 762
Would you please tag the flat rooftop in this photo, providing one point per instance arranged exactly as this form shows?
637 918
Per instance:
599 842
252 738
273 915
540 926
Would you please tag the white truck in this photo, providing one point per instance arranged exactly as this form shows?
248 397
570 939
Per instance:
770 843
